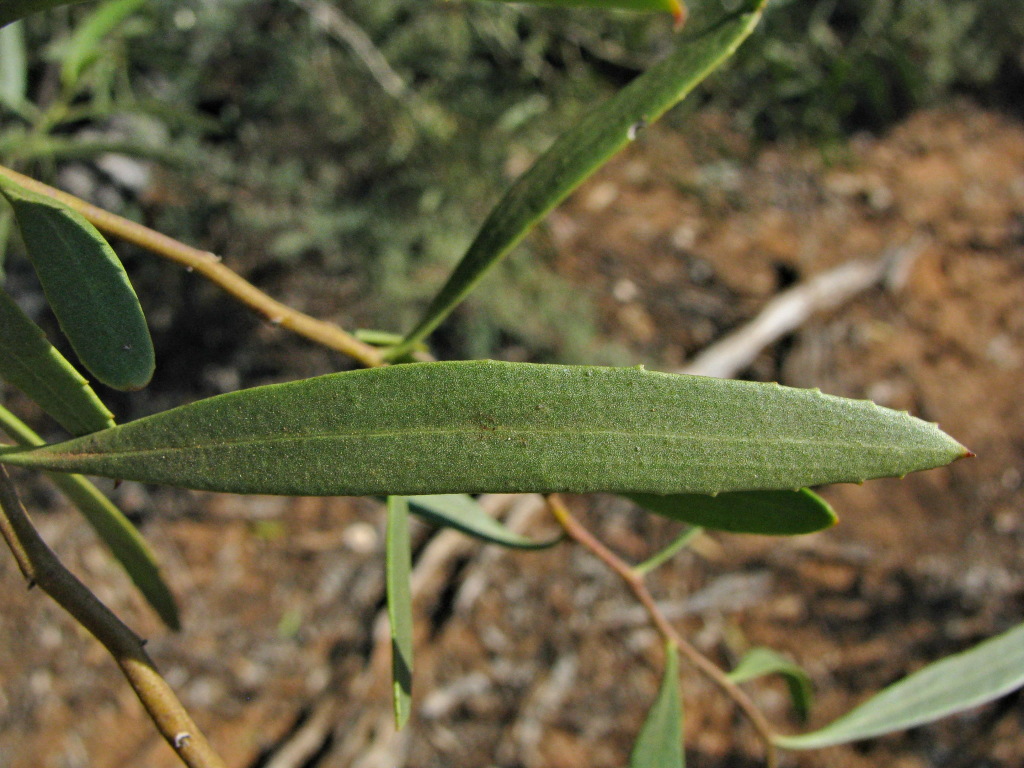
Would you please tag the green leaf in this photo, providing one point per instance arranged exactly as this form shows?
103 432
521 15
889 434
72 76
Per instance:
11 10
85 43
13 67
770 513
758 662
87 288
976 676
660 743
398 563
30 363
581 151
113 528
671 6
480 426
459 511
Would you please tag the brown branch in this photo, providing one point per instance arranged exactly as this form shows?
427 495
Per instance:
41 567
209 266
635 581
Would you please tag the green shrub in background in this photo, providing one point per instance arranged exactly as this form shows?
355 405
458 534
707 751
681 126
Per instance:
309 151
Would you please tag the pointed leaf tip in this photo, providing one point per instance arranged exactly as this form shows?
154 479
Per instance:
660 742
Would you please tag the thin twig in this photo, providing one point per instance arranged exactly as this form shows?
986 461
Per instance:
576 531
41 567
209 266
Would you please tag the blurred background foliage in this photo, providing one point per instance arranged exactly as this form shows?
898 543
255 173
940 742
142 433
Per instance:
341 154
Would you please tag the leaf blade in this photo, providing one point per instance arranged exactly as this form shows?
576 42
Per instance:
398 565
114 529
29 362
969 679
459 511
768 513
86 287
671 6
484 426
660 742
578 153
758 662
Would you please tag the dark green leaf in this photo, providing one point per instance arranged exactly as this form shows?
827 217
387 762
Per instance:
30 363
670 6
758 662
969 679
660 743
582 150
113 528
770 513
474 427
87 288
459 511
398 563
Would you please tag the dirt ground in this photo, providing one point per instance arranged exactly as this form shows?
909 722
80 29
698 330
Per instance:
540 659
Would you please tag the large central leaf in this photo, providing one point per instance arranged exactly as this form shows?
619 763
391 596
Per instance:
464 427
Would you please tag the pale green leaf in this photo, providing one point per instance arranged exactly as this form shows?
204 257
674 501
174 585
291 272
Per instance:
660 743
29 362
398 564
461 512
113 528
660 558
13 66
87 288
582 150
962 681
759 662
485 426
85 44
770 513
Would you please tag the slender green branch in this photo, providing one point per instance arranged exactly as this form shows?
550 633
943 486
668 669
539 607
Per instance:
209 266
635 581
41 567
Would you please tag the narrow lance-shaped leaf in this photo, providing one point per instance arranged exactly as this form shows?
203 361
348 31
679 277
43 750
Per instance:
479 426
675 7
769 513
113 528
581 151
758 662
976 676
398 564
658 559
29 362
87 288
85 42
660 742
13 67
461 512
